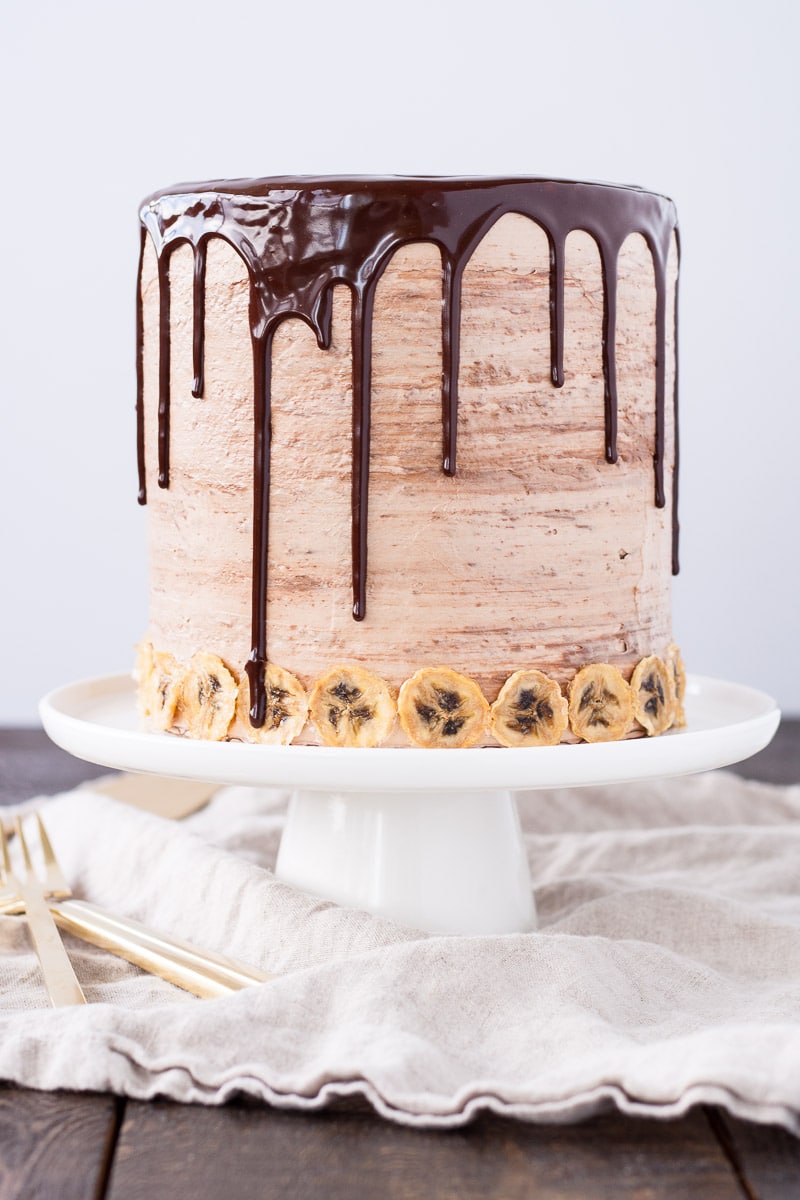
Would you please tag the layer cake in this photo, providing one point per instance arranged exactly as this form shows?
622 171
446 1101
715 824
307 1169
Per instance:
398 426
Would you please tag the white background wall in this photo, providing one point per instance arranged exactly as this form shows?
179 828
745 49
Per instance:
102 103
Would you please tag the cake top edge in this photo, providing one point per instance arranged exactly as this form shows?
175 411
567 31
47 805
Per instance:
408 184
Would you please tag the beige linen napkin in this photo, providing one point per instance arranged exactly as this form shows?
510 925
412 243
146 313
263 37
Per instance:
665 972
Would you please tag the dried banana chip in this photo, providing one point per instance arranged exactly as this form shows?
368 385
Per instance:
653 695
208 700
529 711
160 680
352 707
600 704
440 708
287 708
143 664
675 664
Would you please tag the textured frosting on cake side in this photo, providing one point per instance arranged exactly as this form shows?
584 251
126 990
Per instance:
472 426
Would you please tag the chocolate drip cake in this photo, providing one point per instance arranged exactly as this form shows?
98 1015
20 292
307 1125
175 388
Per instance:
409 451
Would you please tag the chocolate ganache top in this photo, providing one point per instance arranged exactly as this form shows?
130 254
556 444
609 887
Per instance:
299 236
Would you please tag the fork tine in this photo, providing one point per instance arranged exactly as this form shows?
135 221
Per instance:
9 901
26 858
59 976
56 881
6 869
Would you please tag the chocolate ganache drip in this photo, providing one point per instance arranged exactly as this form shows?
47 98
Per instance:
300 236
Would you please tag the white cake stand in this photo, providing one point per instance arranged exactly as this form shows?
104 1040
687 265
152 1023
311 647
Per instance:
430 838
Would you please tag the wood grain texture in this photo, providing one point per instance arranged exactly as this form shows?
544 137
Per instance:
768 1157
347 1154
780 762
30 765
55 1145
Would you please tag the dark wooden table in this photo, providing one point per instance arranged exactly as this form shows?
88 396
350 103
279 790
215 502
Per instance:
64 1146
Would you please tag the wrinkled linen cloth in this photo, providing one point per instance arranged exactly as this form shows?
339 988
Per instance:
665 971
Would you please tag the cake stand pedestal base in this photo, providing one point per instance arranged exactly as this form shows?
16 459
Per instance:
447 862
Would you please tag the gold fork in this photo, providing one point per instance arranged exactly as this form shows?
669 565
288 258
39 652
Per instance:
59 977
201 972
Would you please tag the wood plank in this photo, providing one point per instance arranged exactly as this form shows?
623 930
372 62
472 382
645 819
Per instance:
31 765
55 1145
341 1154
767 1156
780 761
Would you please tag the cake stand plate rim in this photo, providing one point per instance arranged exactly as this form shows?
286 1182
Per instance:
95 719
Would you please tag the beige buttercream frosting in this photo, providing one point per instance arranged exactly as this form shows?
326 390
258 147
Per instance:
537 554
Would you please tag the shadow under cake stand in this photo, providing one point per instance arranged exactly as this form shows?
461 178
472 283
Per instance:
430 838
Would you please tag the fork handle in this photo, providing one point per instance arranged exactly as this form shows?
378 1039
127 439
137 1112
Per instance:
59 977
198 971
